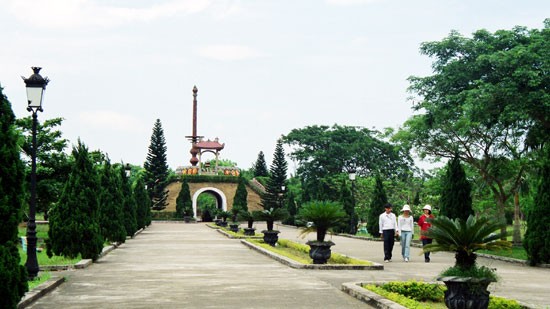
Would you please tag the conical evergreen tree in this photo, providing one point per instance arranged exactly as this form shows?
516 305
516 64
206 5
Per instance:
156 168
537 237
74 224
143 204
240 203
184 204
456 199
111 217
129 203
277 179
260 167
379 199
13 276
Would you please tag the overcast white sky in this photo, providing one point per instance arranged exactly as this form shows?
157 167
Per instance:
262 68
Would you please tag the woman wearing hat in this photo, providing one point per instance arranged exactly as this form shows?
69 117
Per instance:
424 226
405 228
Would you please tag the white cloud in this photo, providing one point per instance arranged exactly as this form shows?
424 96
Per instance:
78 13
110 121
228 52
349 2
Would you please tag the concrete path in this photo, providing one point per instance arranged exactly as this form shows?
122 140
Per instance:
175 265
171 265
530 285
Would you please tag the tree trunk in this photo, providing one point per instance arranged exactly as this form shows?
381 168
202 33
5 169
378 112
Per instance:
516 239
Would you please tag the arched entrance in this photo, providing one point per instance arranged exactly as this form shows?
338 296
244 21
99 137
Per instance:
221 200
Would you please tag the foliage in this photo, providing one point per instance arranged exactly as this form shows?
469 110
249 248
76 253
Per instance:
474 272
456 199
323 152
395 297
163 215
376 207
246 216
43 277
129 203
12 275
156 168
143 204
291 207
537 237
240 203
184 204
74 224
487 103
260 167
324 215
52 163
272 198
110 213
465 237
417 290
270 216
348 201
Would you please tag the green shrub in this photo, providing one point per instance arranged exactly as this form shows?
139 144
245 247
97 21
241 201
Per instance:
419 291
395 297
503 303
474 272
164 215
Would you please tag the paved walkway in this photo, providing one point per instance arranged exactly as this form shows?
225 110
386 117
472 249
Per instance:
171 265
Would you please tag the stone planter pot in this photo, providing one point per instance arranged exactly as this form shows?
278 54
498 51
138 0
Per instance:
223 223
234 228
319 251
248 231
466 292
187 219
271 237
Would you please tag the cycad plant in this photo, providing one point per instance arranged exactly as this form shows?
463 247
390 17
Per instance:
324 215
465 238
270 216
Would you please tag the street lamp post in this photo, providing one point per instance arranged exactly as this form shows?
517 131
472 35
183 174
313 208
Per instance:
352 227
35 85
128 170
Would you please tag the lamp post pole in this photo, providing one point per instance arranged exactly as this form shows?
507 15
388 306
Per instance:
352 225
35 85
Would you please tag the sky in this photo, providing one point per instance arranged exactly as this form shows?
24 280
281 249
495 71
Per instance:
262 67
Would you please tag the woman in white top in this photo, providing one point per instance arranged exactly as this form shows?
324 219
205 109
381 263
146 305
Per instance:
405 228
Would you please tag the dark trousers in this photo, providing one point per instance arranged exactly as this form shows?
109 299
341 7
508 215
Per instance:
389 240
425 242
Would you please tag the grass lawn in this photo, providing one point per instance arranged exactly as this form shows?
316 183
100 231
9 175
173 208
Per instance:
43 258
42 277
300 253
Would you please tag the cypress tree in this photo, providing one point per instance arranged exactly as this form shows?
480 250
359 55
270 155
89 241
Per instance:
143 204
74 223
346 199
128 202
184 204
240 203
537 237
379 199
456 199
260 167
277 179
13 276
111 217
156 168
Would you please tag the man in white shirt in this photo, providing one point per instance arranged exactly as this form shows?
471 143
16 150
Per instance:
387 225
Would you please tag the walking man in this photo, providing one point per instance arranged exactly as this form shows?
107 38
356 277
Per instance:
387 225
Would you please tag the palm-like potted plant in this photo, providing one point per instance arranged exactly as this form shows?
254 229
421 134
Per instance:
466 282
224 215
325 215
249 218
270 216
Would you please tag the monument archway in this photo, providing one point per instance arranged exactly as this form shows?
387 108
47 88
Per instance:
221 199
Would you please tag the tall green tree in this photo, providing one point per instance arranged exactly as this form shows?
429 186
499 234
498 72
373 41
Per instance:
52 163
184 204
128 202
12 275
324 153
379 199
260 167
537 236
240 201
348 202
111 217
156 168
143 204
74 223
274 194
486 102
456 192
